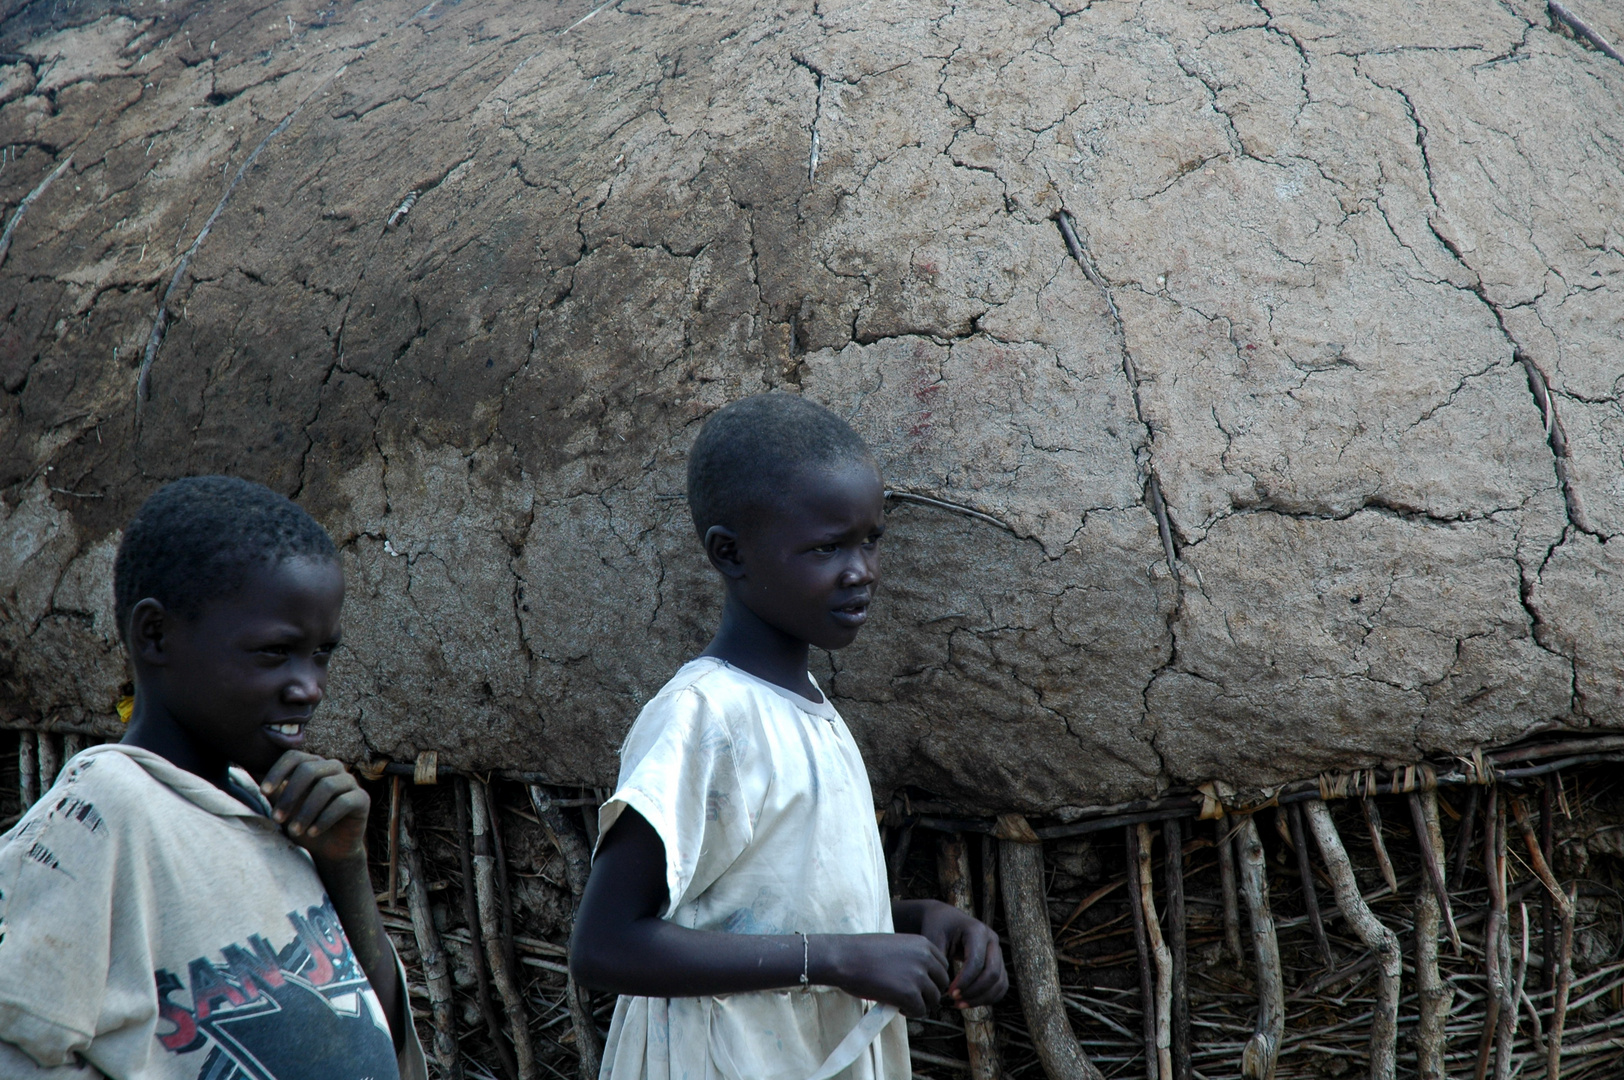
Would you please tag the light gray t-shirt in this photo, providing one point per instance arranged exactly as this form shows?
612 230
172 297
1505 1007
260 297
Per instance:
153 927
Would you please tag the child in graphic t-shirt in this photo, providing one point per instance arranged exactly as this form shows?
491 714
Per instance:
193 903
738 899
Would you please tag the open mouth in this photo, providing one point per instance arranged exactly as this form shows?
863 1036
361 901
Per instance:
287 735
852 615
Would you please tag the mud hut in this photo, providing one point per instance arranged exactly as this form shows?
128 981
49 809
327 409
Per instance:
1246 378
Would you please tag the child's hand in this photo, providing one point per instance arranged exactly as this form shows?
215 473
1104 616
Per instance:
904 970
322 807
969 942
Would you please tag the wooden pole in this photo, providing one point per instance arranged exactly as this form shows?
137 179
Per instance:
1141 941
28 768
1506 1028
1162 957
1263 1048
471 918
899 857
50 761
487 893
953 871
1435 996
1430 839
1178 945
1226 879
1463 839
1505 1035
1564 985
1037 974
1559 965
577 856
1305 871
436 972
1491 936
394 841
1373 821
989 877
1378 938
1536 853
1547 837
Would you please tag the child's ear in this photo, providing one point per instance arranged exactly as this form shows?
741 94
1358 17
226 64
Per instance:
722 549
149 624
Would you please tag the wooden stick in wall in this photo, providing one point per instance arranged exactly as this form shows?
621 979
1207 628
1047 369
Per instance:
1373 821
28 768
488 895
577 856
1434 995
953 871
1506 1028
503 894
1226 879
1547 906
1037 974
436 972
1141 941
1424 812
1564 985
1178 945
1463 838
471 918
50 761
1505 1035
394 842
1491 936
1378 938
989 877
1161 955
1263 1048
1305 871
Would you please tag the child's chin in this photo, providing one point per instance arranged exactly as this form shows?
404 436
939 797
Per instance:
839 639
258 763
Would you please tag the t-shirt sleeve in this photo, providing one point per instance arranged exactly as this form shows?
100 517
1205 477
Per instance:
680 770
57 872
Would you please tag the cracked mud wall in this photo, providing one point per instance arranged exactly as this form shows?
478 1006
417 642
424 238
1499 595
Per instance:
1342 331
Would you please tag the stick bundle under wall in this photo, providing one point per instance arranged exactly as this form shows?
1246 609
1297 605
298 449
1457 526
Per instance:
1433 958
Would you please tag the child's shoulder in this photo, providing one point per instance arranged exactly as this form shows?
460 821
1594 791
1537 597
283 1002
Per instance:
97 789
700 692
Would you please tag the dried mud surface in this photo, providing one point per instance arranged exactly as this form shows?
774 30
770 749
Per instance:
1305 454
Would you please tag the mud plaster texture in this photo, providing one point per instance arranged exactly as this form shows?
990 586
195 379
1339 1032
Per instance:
1305 455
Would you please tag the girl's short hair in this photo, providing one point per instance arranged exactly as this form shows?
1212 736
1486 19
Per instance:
749 452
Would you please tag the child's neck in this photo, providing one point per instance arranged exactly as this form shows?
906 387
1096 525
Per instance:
752 645
153 728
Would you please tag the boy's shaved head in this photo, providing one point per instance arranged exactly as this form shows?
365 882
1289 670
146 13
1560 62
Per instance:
748 453
199 539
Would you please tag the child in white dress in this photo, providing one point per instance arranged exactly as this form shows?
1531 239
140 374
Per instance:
738 899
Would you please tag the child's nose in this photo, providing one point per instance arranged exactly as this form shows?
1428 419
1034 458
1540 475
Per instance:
308 686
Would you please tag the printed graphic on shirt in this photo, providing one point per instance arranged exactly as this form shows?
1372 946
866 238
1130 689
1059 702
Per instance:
304 1012
63 807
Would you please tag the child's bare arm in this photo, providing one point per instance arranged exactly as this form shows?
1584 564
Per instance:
621 945
325 812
